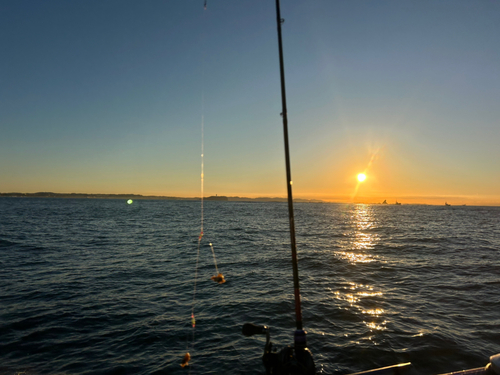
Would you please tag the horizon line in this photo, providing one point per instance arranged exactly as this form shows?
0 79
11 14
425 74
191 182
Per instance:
42 194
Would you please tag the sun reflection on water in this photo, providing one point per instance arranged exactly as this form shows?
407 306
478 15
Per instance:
359 239
377 327
363 300
374 312
358 248
356 257
355 292
366 294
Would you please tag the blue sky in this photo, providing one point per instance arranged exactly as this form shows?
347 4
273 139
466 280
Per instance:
106 97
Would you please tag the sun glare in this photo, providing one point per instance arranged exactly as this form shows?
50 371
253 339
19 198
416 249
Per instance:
361 177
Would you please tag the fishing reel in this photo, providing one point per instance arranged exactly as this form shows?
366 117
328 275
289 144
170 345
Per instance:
290 360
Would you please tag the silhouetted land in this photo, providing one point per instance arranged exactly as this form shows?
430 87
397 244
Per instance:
151 197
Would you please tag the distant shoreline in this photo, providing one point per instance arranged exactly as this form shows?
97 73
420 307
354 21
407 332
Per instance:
149 197
222 198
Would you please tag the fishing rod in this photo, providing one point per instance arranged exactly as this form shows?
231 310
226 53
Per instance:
298 308
297 359
300 334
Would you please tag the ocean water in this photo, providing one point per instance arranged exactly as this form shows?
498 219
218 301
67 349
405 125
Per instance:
92 286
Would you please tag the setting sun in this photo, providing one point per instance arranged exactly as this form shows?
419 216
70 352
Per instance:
361 177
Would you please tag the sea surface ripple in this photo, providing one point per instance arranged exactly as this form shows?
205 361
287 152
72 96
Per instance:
91 286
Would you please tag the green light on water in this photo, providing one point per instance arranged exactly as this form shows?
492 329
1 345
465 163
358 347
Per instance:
130 201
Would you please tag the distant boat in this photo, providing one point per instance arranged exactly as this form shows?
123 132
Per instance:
384 202
447 204
397 203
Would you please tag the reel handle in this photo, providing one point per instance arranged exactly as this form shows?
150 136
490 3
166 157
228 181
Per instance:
250 329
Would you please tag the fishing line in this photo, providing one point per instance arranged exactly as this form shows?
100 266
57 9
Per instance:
213 253
187 356
219 278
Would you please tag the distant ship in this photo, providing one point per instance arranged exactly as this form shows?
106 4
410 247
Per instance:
385 201
447 204
397 203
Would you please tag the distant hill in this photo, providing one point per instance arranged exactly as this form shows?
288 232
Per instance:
275 199
151 197
217 198
85 195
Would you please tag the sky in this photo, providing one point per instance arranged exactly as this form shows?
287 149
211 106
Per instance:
110 97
